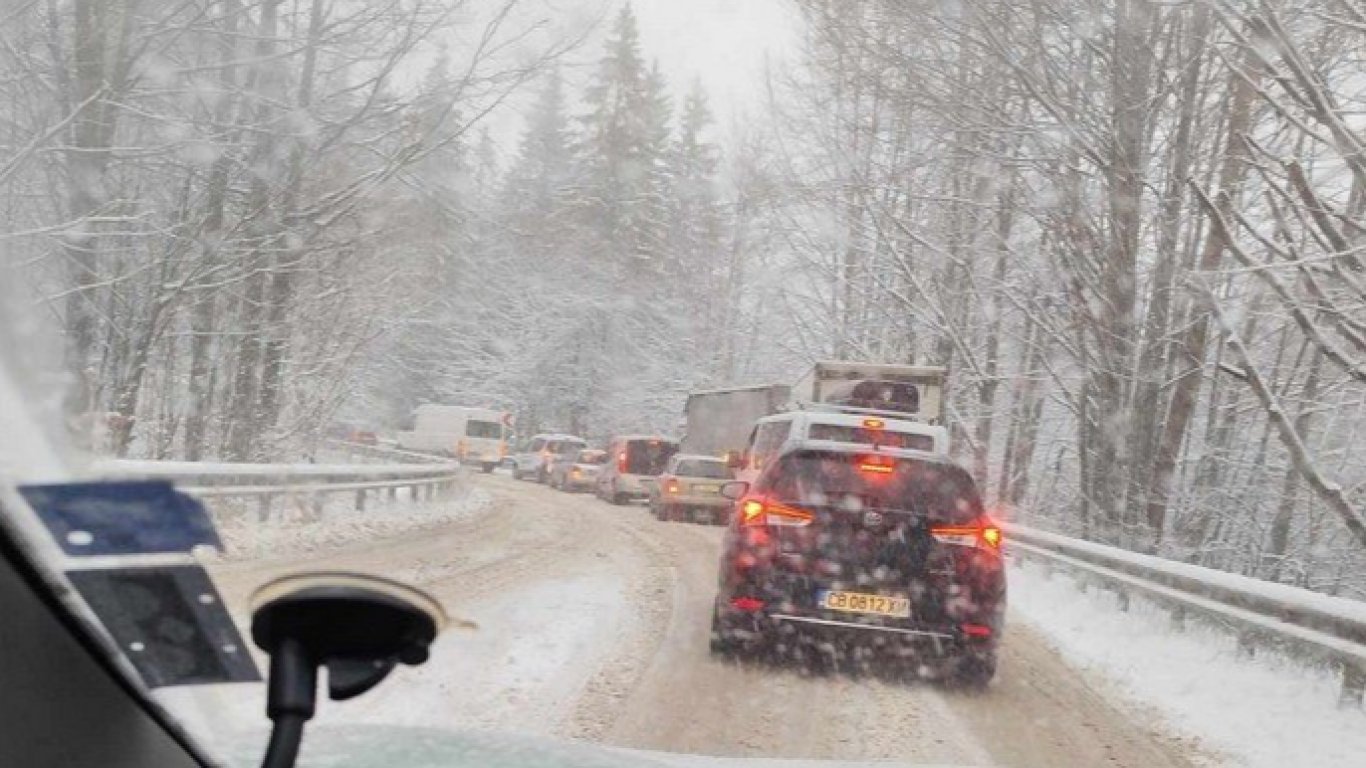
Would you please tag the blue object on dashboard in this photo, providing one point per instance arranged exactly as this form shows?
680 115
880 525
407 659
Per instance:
121 518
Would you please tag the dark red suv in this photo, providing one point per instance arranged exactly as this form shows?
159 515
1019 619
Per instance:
862 561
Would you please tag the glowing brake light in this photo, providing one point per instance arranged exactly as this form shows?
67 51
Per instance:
671 487
982 535
976 630
747 604
621 462
877 465
757 512
874 423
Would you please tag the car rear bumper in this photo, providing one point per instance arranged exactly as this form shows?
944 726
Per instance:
780 632
695 501
636 486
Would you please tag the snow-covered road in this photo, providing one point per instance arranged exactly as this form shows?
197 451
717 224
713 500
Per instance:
592 624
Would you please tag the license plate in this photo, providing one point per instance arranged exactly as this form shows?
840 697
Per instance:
858 602
706 488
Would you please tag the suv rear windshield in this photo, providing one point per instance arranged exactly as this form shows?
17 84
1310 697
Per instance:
937 492
592 457
490 429
648 457
715 470
840 433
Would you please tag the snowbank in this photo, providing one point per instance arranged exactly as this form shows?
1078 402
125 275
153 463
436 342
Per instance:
295 528
1269 711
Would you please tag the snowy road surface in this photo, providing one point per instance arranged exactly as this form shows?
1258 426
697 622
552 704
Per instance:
592 624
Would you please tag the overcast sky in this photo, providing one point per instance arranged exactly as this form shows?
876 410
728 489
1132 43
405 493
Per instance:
724 43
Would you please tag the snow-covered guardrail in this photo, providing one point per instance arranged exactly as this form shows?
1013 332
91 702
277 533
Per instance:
267 482
384 452
1260 612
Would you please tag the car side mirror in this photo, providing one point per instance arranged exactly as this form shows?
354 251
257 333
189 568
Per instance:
735 489
735 459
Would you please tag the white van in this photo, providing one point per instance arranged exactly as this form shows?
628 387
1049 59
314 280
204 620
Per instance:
633 464
472 435
814 427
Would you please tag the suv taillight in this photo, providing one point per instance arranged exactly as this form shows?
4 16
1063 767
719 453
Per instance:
756 511
983 534
621 462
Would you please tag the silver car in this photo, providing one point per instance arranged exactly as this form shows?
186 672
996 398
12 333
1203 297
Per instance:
536 457
577 472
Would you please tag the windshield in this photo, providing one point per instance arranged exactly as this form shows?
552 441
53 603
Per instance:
934 492
648 457
890 438
484 429
362 281
702 468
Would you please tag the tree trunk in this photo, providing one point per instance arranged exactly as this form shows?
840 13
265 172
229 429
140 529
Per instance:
243 413
1278 543
987 387
203 313
288 260
1155 351
1191 346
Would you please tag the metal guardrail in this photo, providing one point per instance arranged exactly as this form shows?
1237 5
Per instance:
388 453
1261 613
268 482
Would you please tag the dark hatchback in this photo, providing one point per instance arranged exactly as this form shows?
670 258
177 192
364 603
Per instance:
862 561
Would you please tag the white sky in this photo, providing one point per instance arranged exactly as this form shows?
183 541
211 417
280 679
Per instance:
724 43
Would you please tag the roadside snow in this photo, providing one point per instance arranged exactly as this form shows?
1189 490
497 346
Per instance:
1272 711
296 528
519 671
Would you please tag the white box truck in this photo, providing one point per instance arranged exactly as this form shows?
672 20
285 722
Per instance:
910 392
476 436
719 421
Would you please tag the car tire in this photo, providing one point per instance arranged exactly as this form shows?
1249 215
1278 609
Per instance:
516 473
488 468
720 647
975 671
